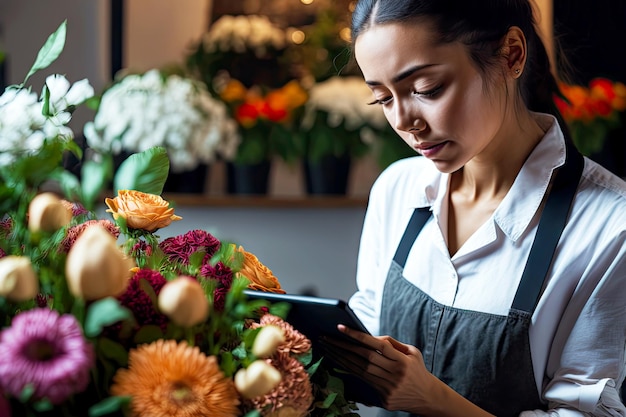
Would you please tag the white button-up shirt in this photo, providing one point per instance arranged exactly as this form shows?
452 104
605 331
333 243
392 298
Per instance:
578 330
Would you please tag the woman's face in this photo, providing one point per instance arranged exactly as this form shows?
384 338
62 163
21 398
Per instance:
434 88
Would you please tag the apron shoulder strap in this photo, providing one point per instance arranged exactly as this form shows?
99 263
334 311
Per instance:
551 225
418 219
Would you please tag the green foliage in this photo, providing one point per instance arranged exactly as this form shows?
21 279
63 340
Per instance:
145 171
49 52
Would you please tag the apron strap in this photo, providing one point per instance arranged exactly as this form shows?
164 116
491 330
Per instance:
551 225
419 217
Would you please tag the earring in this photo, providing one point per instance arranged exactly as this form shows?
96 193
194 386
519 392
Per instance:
517 71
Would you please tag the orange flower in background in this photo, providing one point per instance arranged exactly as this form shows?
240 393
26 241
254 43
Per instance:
592 111
275 106
602 98
234 90
261 277
141 210
166 378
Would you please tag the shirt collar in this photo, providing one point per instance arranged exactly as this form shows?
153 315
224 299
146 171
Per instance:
522 202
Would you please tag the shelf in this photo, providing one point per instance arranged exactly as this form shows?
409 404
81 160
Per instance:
191 200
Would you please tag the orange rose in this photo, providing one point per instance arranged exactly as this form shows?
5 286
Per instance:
142 211
261 277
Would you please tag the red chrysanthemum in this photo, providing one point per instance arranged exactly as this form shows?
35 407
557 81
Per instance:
180 248
224 277
137 300
75 231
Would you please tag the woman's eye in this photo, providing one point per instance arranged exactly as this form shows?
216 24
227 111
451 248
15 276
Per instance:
381 101
428 93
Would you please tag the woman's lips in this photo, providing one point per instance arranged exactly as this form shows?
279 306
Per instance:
430 149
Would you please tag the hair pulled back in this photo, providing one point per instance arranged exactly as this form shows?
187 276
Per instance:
481 26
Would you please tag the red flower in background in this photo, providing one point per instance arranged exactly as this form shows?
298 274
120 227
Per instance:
592 111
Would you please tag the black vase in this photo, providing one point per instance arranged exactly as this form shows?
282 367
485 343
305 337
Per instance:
247 178
329 175
187 182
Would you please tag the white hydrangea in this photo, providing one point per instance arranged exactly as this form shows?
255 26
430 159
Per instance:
243 33
144 110
24 127
344 99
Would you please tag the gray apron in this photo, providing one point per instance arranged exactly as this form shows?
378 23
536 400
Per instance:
484 357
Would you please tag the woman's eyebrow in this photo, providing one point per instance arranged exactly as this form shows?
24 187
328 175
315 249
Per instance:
404 74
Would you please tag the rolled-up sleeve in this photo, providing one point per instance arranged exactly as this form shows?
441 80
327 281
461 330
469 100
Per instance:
586 363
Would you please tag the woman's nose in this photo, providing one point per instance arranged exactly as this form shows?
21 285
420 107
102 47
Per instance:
409 121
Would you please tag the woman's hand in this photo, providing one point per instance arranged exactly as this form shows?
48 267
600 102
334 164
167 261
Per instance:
395 369
398 372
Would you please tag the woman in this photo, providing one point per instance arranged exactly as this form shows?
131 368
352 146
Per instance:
447 236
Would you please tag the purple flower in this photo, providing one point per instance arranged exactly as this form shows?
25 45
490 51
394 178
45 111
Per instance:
45 350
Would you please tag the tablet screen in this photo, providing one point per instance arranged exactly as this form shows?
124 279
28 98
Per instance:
316 317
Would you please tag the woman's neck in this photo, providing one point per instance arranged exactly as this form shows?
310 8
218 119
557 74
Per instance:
489 175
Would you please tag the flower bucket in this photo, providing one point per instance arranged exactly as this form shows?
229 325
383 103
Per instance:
247 178
188 182
329 175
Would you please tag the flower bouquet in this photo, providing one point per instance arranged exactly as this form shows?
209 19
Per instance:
592 111
103 317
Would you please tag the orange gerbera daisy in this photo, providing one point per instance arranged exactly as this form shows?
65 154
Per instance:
170 379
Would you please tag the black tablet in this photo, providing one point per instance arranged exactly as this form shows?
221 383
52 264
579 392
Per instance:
316 317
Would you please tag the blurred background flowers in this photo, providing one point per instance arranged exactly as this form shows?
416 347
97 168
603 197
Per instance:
592 112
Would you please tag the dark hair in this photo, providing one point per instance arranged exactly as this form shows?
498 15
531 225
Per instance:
481 25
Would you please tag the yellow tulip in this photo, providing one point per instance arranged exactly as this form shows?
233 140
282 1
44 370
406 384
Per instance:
267 341
96 267
48 213
183 300
259 378
18 281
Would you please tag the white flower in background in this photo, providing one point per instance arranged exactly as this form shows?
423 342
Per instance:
345 100
145 110
23 125
243 33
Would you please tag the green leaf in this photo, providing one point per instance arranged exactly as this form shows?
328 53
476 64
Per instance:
69 183
145 171
103 313
328 401
94 178
43 405
148 334
110 349
108 405
50 51
27 393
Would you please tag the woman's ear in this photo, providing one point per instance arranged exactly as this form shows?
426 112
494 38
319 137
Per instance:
514 51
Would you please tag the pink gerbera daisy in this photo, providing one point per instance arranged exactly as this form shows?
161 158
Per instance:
47 351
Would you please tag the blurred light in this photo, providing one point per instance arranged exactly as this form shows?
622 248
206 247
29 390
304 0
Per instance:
345 34
352 6
297 37
306 1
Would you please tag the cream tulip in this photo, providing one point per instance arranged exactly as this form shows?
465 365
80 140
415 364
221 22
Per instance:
259 378
96 267
18 280
183 300
48 213
267 341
